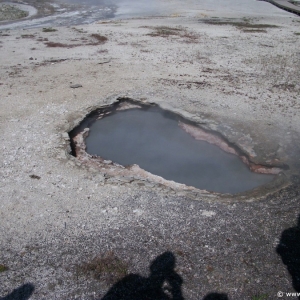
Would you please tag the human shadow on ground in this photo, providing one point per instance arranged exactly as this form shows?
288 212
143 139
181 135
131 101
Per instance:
289 250
162 284
216 296
24 292
136 287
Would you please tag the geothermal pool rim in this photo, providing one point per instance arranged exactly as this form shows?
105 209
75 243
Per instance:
75 149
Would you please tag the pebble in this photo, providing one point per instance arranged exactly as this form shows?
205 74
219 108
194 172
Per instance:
75 86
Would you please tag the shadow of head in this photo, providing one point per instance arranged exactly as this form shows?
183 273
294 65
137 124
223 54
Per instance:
216 296
22 293
163 265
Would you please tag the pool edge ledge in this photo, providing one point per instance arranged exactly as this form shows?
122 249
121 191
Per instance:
116 174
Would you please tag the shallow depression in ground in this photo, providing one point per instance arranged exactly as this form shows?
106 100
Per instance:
152 139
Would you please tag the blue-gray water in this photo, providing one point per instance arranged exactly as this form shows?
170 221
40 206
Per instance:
144 7
157 144
76 12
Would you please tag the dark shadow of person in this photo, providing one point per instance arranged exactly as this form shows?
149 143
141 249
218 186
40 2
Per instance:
289 250
216 296
22 293
136 287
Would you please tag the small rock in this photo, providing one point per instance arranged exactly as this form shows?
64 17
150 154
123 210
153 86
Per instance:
207 213
66 136
104 61
107 162
75 86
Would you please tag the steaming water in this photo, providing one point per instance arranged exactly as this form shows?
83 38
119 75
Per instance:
153 140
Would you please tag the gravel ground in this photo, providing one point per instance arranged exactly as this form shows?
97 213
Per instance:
56 215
